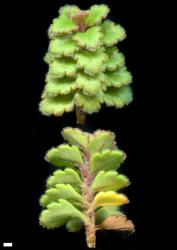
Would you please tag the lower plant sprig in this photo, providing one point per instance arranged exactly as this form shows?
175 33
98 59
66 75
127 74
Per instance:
85 192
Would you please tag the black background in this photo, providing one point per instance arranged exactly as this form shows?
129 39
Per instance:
24 169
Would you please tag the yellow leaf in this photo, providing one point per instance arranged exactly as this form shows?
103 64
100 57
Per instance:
110 198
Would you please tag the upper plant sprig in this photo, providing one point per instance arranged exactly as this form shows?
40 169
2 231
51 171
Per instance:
86 69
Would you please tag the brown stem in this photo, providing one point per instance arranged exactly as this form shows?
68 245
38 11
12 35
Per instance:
81 116
89 210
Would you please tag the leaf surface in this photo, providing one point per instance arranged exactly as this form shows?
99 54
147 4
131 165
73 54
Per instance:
91 39
75 137
118 97
97 14
59 213
67 176
63 46
110 198
64 155
111 180
107 160
112 33
91 62
61 191
56 105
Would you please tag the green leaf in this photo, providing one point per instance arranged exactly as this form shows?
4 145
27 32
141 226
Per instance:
62 25
67 176
111 180
101 140
118 97
74 225
91 62
104 212
63 67
64 155
61 191
91 39
110 198
88 104
76 137
97 14
69 9
63 46
112 33
56 105
89 85
57 214
118 78
48 58
58 86
115 59
107 160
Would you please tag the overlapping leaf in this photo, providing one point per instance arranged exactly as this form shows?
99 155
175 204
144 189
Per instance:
56 105
101 140
91 62
88 104
118 97
74 225
67 176
97 14
59 213
104 212
91 39
76 137
107 160
64 67
61 191
68 10
62 25
64 155
118 78
109 198
63 46
89 85
115 58
111 180
59 86
112 33
48 58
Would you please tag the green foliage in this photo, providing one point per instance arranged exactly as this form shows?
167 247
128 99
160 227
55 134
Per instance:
112 33
76 137
61 191
63 46
59 213
64 155
90 39
104 212
86 70
118 97
65 199
110 180
97 14
57 105
106 160
68 175
74 225
101 140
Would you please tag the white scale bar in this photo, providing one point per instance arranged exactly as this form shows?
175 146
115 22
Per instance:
7 244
